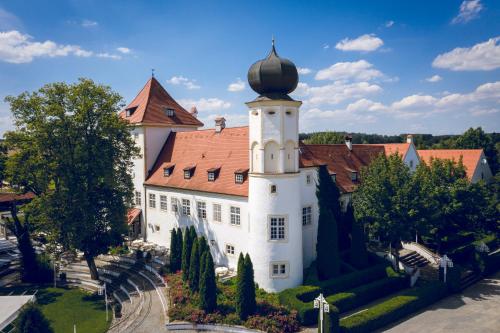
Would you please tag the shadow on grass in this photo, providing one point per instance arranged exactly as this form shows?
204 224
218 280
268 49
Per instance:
95 301
45 296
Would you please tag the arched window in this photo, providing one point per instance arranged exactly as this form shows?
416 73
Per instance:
271 156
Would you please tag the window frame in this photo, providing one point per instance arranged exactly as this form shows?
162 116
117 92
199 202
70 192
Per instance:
216 212
307 216
231 248
174 204
308 179
280 264
185 207
163 203
239 178
236 215
278 227
203 210
152 200
138 198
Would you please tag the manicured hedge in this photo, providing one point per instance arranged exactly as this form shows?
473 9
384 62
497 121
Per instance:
399 306
363 294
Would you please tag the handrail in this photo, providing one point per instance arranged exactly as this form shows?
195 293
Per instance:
422 250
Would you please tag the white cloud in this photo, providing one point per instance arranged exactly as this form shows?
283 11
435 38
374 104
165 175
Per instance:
357 70
326 46
434 78
477 112
9 21
414 102
239 85
366 105
89 24
108 55
205 104
124 50
181 80
336 92
18 48
389 24
304 70
483 56
367 42
469 10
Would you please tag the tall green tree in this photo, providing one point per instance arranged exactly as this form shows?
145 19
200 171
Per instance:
186 253
240 287
245 288
32 320
208 288
75 153
327 249
251 303
194 267
358 253
173 251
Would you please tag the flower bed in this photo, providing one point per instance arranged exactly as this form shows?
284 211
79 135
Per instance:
269 317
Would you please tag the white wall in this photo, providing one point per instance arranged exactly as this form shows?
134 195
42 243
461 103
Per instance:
483 171
308 198
411 158
221 232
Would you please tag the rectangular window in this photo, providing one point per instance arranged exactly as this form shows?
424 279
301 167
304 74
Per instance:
306 215
137 198
169 112
202 210
235 216
186 207
273 189
166 172
354 176
238 178
308 179
152 200
279 269
334 177
277 228
217 212
163 202
175 205
211 176
187 174
229 249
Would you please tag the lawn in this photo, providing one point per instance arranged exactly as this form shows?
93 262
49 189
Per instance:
64 307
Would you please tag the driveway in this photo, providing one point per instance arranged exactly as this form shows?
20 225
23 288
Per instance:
477 309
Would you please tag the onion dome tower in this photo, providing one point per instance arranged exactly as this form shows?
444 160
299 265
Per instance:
274 196
273 77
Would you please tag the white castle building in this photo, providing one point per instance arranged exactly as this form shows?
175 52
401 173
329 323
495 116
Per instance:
246 189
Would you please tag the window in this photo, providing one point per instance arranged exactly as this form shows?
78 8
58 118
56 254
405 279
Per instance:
175 205
238 178
306 215
273 189
136 137
235 216
334 177
229 249
211 176
186 207
277 228
169 112
167 172
163 202
202 209
308 179
354 176
130 111
152 200
279 269
411 163
157 227
271 112
217 212
137 198
187 174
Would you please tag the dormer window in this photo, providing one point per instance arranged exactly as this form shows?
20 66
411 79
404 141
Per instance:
334 177
169 112
354 176
240 175
213 173
188 172
167 171
130 111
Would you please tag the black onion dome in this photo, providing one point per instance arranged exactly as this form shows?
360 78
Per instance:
273 76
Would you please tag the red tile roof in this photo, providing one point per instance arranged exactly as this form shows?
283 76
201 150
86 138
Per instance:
132 214
470 157
204 149
340 160
9 196
150 106
400 148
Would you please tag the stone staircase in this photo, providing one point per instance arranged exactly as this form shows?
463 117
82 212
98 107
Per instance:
468 278
413 259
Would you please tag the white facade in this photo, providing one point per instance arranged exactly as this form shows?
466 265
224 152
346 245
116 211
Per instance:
482 171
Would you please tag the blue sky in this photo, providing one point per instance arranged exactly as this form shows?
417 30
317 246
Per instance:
366 66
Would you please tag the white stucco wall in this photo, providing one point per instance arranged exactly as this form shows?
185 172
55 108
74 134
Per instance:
411 159
483 171
221 233
308 198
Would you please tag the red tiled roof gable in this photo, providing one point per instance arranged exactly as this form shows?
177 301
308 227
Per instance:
470 157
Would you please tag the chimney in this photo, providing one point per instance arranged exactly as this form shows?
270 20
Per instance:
348 141
194 111
220 124
409 138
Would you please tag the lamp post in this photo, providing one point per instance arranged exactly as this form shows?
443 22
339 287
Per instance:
323 306
445 262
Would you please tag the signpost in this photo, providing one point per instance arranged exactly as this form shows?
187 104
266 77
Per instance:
445 262
102 291
323 306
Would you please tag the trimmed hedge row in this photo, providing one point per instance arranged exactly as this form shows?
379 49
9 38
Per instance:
363 294
393 309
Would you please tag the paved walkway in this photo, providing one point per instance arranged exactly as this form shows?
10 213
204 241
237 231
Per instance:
477 309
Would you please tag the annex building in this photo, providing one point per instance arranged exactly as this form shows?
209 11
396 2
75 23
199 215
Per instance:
247 189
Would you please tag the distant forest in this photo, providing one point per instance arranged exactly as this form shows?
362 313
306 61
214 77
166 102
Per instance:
473 138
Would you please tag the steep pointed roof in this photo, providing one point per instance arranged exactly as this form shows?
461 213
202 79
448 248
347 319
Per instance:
149 108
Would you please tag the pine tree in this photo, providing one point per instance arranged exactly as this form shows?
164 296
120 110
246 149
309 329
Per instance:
250 286
203 259
203 245
208 288
179 246
32 320
194 267
240 287
186 254
358 254
173 251
328 257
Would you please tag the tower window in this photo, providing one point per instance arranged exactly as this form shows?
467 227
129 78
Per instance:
277 228
169 112
235 216
279 269
273 189
306 215
271 113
